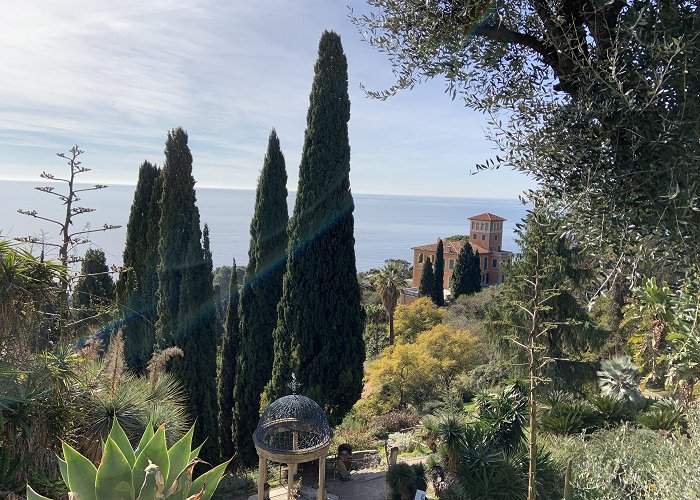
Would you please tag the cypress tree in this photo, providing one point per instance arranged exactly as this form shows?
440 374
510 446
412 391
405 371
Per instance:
439 271
176 231
427 280
138 284
466 278
197 318
320 319
94 291
260 296
186 309
227 375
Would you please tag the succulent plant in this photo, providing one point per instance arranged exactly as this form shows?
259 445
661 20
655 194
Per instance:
619 377
150 471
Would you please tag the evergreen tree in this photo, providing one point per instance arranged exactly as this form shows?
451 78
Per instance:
186 309
466 277
320 318
572 332
227 375
427 280
138 284
176 231
439 271
260 296
94 291
197 368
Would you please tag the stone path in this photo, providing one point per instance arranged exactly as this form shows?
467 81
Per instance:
366 484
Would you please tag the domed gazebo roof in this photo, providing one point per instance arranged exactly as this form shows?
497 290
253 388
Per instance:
293 429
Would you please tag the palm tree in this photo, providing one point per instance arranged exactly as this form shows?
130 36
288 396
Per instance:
388 282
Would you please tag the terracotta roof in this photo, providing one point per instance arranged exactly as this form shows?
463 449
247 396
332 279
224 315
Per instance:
451 247
487 216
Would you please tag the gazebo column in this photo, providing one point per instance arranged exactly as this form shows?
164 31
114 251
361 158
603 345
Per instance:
262 477
322 478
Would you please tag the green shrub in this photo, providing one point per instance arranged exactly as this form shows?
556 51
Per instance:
665 415
356 433
629 462
404 480
151 471
570 418
612 409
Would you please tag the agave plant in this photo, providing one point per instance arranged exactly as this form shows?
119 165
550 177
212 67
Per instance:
618 376
150 471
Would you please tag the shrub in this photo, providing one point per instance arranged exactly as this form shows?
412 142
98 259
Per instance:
666 415
412 319
612 409
570 417
150 471
404 480
356 433
395 421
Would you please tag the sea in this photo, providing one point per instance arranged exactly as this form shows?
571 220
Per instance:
386 226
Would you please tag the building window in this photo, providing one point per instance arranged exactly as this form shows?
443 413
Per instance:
474 236
452 263
420 258
495 263
499 248
486 262
495 237
503 276
483 236
486 277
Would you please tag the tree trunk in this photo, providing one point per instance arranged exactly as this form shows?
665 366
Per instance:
391 328
532 473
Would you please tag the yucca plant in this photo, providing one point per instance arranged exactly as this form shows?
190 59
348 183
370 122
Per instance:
149 472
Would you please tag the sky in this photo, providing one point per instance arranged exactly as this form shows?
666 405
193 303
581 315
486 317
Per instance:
114 77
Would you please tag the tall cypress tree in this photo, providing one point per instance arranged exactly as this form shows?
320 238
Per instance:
227 374
186 309
177 231
320 319
138 284
466 278
439 271
427 280
260 296
197 318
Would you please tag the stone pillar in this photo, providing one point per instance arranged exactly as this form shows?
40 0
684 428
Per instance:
322 478
262 477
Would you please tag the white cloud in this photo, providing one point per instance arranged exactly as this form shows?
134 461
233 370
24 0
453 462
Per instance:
115 76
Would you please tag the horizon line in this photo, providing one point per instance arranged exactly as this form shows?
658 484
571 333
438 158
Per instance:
238 188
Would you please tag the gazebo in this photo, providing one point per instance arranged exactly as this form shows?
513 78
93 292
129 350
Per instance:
293 430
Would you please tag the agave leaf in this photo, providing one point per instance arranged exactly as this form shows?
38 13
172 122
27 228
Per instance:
121 440
147 435
181 487
150 486
113 479
209 481
195 452
63 466
33 495
179 455
155 451
197 496
81 473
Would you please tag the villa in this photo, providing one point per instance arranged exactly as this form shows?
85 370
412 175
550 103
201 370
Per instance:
485 237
